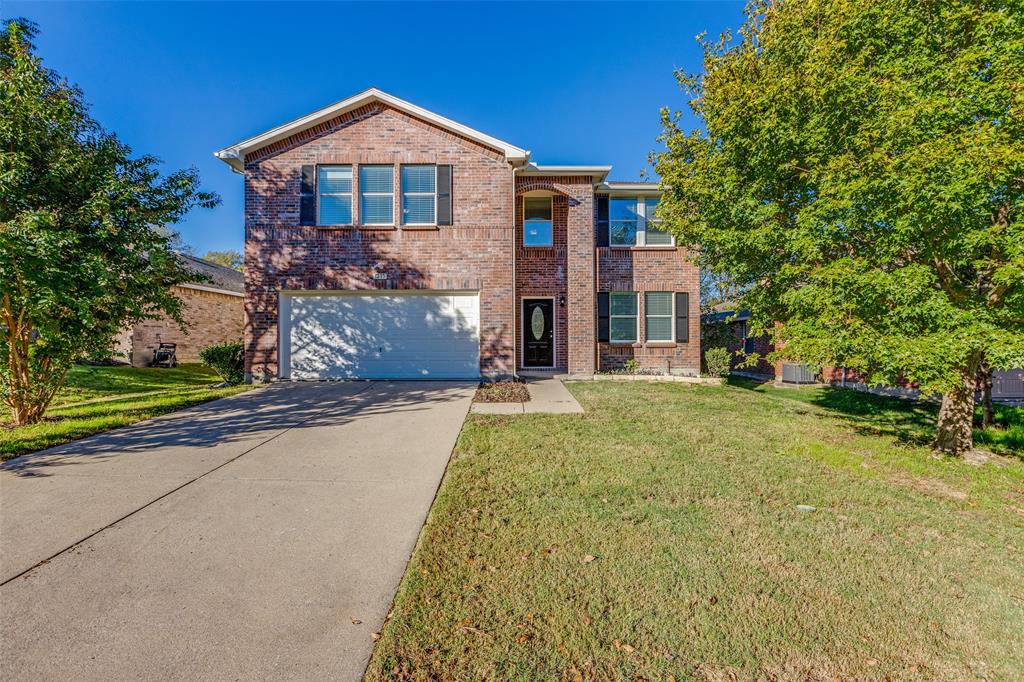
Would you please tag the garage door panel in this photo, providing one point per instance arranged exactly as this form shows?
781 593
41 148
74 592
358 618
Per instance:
393 336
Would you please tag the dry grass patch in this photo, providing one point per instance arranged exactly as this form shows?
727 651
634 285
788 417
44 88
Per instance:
502 392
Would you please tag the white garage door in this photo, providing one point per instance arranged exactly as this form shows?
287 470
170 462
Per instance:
393 335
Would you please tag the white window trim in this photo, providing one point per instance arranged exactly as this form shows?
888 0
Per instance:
636 317
551 212
418 194
672 317
641 232
362 193
641 227
352 209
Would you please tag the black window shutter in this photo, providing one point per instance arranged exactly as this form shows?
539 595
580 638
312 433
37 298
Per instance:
602 220
683 317
307 196
602 317
444 195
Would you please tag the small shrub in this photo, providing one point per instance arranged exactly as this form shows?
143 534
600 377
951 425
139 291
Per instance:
227 360
717 361
632 366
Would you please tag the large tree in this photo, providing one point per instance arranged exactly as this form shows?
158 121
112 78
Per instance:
860 170
82 252
229 259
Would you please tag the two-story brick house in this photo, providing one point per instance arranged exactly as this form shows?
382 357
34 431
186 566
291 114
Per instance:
385 241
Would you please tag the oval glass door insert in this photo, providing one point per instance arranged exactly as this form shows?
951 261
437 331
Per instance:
537 323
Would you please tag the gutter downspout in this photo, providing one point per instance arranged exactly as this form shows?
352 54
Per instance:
515 297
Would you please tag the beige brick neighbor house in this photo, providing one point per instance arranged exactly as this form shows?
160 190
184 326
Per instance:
212 310
385 241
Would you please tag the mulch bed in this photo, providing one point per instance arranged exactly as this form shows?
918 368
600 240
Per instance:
502 392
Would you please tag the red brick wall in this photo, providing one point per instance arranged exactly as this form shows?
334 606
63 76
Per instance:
543 272
211 317
473 254
643 269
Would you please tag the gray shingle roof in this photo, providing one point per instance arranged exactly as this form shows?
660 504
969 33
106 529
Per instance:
220 276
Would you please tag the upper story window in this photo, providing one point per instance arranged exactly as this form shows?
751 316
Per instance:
334 185
633 221
622 221
537 229
377 195
653 234
419 195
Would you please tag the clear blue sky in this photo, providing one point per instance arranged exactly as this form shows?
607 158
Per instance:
573 83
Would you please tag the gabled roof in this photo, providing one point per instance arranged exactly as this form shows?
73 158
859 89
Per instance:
234 155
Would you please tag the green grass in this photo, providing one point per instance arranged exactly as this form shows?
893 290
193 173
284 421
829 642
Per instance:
96 399
658 537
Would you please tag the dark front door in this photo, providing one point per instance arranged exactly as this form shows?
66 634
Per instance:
538 333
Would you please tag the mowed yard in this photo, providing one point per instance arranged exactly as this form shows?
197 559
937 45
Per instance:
98 398
658 537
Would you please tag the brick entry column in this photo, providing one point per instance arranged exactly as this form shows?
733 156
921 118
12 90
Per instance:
581 299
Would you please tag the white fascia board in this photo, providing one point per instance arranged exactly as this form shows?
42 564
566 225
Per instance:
598 173
234 155
652 188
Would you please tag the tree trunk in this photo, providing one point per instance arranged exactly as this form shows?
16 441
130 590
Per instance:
954 433
988 414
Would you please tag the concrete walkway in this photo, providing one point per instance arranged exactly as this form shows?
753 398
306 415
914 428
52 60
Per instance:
237 540
548 395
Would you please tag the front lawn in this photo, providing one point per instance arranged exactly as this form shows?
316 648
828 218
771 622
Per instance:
97 399
658 536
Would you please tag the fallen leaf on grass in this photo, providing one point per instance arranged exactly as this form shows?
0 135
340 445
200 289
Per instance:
872 661
473 630
587 559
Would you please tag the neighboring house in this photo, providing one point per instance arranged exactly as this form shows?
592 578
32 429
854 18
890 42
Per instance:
1007 385
733 327
212 310
385 241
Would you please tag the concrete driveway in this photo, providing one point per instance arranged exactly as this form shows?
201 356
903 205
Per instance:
233 541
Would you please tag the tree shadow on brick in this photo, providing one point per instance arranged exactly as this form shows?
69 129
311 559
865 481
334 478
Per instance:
286 256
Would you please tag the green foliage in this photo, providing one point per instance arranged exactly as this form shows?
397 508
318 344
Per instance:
229 259
714 333
95 399
227 360
859 177
83 249
632 366
717 361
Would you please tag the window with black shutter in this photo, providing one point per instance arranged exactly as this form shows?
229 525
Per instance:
683 317
602 220
603 317
444 195
307 196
